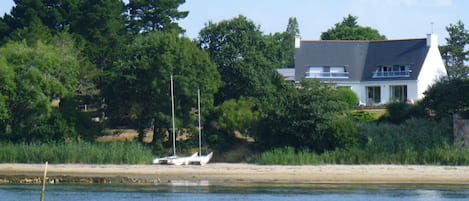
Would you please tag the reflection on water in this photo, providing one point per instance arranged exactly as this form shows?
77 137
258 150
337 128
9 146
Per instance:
189 190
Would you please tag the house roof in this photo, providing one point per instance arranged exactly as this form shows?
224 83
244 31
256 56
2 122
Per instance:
287 73
361 58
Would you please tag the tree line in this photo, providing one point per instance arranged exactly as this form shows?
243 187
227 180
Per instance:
58 54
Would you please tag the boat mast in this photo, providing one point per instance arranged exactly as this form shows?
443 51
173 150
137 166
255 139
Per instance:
200 128
172 114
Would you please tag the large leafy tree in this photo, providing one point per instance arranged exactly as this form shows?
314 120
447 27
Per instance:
38 19
102 25
33 78
281 45
140 89
349 29
97 26
155 15
455 52
447 97
307 117
238 48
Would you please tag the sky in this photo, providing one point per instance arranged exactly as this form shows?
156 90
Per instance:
396 19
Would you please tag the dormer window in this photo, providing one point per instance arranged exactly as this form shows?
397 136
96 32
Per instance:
392 71
326 72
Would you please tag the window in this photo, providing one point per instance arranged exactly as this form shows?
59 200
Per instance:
326 72
373 95
392 71
398 93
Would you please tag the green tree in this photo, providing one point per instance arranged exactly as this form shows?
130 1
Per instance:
238 49
349 29
230 120
281 46
454 52
306 117
102 25
155 15
38 19
35 77
140 89
447 97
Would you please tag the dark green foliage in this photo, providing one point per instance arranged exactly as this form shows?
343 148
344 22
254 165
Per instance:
455 52
35 76
348 96
348 29
398 112
281 46
155 15
447 97
237 115
302 118
416 141
344 133
238 48
139 92
412 134
362 116
230 120
102 25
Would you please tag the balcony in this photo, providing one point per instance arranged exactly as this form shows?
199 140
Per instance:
391 74
341 75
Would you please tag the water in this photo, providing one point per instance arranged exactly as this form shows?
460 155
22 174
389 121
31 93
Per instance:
346 192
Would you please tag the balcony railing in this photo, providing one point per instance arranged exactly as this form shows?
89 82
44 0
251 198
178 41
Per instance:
326 75
391 74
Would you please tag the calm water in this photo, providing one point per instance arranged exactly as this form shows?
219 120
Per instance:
203 192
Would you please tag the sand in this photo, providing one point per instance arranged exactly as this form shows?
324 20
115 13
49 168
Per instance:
242 174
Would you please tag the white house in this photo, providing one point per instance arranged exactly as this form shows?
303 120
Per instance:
377 71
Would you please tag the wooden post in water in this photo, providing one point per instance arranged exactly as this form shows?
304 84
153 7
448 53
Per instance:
44 182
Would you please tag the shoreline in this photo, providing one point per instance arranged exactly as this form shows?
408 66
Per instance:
234 174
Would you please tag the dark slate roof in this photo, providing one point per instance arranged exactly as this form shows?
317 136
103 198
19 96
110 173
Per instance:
360 58
394 52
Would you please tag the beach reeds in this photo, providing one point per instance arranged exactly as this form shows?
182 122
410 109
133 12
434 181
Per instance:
76 152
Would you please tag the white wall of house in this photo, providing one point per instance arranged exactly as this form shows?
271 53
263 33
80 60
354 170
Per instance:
433 67
385 88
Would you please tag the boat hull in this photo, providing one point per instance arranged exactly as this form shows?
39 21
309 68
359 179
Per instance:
201 160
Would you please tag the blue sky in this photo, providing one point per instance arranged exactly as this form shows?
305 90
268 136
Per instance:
396 19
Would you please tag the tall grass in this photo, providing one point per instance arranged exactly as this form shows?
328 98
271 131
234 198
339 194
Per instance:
80 152
445 155
416 141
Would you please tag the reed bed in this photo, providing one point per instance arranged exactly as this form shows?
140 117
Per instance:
416 141
446 155
76 152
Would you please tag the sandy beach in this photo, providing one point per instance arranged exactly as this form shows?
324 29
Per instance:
237 174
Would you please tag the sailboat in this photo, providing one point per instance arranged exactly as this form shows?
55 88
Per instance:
200 159
174 160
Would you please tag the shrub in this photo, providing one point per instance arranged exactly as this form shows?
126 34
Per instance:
398 112
344 133
362 116
349 97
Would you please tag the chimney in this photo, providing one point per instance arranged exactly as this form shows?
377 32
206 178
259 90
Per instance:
432 40
297 42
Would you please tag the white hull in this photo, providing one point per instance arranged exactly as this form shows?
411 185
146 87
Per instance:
163 160
182 160
201 160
